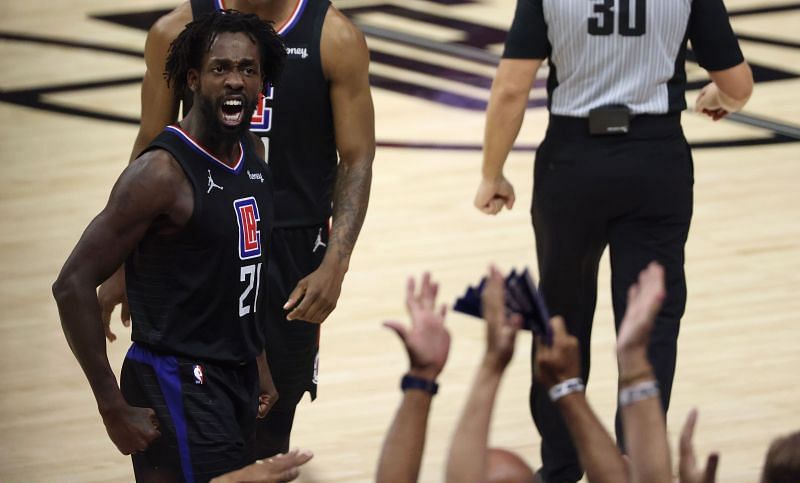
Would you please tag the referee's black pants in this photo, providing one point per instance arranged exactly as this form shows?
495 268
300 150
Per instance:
632 193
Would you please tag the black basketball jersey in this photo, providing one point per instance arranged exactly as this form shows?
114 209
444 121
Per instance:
295 120
200 292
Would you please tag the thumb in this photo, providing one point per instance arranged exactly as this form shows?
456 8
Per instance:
398 329
511 199
711 468
125 313
110 335
296 295
698 103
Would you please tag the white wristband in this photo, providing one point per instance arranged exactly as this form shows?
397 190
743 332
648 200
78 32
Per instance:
639 392
566 387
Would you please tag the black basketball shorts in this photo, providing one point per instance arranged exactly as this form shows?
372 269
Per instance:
292 346
206 414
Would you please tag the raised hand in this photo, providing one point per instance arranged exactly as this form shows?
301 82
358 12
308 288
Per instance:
644 301
427 341
687 466
501 328
561 360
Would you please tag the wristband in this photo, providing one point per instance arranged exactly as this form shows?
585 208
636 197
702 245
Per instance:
566 387
411 382
638 392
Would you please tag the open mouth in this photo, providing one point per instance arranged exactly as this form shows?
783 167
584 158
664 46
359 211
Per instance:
232 111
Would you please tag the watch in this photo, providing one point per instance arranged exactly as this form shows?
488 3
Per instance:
411 382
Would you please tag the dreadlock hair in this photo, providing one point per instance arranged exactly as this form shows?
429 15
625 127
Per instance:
187 50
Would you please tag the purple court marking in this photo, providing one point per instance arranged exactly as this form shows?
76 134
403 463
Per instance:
428 93
474 35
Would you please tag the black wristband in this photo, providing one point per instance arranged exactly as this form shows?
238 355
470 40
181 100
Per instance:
411 382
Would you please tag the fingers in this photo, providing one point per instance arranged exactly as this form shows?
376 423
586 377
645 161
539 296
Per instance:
698 103
296 295
493 206
424 301
300 457
106 308
493 302
125 313
687 461
428 292
266 401
302 310
410 290
710 475
154 433
109 335
285 467
559 327
510 201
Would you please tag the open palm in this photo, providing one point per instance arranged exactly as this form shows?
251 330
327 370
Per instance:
427 341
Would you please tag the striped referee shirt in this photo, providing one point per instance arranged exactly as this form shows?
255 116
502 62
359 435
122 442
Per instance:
630 52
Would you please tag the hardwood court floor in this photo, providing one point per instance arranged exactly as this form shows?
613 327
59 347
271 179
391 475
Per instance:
64 139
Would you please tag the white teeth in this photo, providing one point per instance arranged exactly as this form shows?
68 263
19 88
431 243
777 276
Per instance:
233 102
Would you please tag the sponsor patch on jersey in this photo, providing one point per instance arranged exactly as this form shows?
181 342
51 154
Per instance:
199 374
255 176
249 235
262 116
299 51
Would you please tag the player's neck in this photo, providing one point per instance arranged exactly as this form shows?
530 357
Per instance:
274 10
224 146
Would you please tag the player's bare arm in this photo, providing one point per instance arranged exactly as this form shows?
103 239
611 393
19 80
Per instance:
159 109
151 194
354 124
159 102
507 103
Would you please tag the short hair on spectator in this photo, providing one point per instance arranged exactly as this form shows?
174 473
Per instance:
783 460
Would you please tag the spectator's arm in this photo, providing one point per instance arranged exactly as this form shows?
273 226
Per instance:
643 419
467 461
427 343
557 364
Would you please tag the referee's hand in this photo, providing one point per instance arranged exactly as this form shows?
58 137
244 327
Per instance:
493 194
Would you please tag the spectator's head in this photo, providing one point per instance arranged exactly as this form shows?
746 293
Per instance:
507 467
783 460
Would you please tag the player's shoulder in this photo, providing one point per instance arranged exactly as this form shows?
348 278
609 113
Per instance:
171 24
338 30
157 167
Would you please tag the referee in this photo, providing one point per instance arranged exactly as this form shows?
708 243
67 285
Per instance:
614 168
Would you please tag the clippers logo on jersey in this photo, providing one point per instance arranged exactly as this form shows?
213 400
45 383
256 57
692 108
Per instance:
249 235
199 375
262 116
